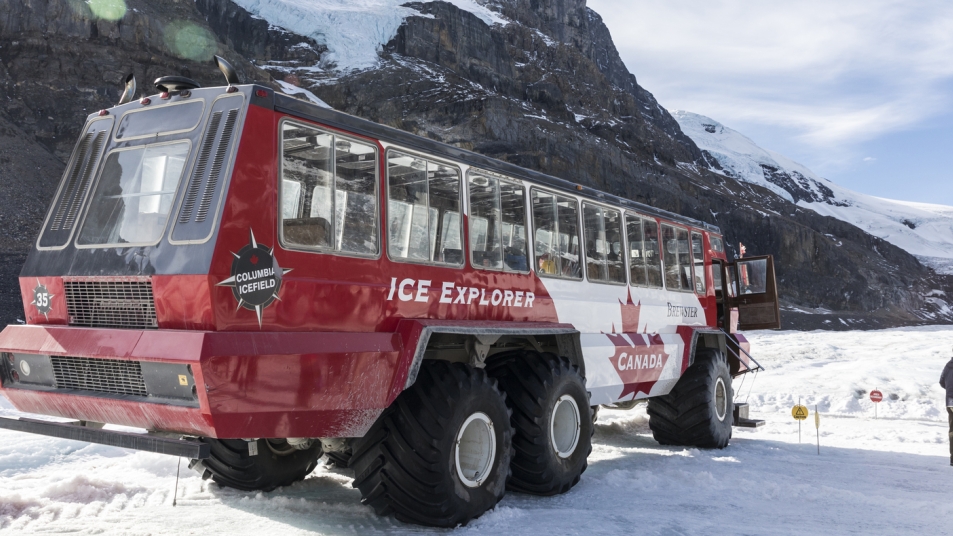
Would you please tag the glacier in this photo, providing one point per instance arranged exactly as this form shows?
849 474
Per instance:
354 31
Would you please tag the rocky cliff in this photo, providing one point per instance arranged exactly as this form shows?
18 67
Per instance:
547 90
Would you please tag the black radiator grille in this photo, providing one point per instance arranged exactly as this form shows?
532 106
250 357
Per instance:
111 304
113 376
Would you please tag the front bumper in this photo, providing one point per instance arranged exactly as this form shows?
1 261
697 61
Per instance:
203 383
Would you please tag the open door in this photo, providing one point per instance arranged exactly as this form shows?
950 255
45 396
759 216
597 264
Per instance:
753 291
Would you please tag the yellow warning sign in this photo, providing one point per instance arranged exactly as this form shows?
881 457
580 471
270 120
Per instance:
799 412
817 419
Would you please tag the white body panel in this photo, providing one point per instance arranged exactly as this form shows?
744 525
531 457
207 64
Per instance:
628 335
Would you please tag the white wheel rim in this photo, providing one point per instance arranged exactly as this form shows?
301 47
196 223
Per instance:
564 426
475 449
721 399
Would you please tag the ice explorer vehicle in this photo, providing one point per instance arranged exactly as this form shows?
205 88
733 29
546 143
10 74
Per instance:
256 281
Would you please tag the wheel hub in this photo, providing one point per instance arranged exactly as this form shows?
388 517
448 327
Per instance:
564 426
721 399
475 449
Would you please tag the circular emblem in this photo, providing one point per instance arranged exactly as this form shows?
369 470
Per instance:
42 299
25 368
256 277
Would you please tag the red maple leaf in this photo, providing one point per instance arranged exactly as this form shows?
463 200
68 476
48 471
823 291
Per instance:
254 259
639 358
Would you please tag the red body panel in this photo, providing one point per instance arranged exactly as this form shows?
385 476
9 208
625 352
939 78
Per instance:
183 301
255 384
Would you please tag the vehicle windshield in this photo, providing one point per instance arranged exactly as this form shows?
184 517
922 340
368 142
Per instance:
134 195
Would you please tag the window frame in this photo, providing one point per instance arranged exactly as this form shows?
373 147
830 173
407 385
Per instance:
88 203
526 216
461 198
658 224
227 172
623 239
61 187
555 194
377 190
200 121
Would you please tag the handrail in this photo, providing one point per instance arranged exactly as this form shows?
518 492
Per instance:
745 352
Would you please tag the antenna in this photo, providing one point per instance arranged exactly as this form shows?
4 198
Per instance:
129 92
230 75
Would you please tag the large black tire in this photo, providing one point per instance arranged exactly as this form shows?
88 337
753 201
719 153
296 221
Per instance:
698 412
534 383
230 465
406 464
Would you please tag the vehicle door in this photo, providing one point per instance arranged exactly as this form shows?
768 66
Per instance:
752 289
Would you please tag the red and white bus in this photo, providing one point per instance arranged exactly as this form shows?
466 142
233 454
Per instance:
258 281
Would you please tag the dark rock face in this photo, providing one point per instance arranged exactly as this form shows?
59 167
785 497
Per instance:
61 62
548 92
801 187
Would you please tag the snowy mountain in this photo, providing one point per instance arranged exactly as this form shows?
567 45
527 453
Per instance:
922 229
539 84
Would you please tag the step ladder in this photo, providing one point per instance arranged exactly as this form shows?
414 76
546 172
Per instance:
741 417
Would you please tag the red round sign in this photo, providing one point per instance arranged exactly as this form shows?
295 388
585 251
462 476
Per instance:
876 396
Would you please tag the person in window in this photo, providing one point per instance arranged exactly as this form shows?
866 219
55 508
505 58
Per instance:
515 259
489 257
547 264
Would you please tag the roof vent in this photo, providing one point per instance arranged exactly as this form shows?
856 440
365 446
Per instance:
175 83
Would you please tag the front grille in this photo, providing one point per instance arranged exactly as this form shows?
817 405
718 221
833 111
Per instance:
111 376
111 304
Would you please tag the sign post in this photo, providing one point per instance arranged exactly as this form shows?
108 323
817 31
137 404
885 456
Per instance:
817 424
875 397
799 412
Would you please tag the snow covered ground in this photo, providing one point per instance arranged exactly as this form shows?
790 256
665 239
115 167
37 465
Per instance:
888 475
922 229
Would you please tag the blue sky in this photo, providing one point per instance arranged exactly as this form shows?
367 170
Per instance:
860 91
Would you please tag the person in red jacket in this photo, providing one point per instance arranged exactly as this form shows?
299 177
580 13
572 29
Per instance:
946 382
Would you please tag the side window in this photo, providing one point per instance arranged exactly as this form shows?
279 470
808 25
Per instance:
671 257
423 210
645 264
637 275
556 235
603 234
513 206
698 259
653 261
328 191
684 259
497 224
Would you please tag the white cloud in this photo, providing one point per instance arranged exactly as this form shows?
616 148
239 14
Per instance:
829 74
